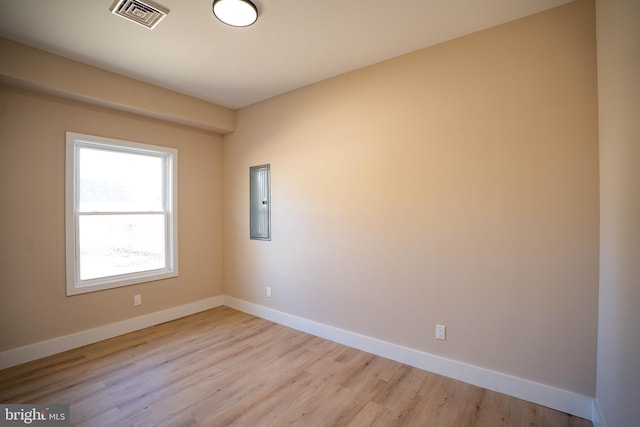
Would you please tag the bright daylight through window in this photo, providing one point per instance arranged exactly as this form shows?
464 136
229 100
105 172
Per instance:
121 213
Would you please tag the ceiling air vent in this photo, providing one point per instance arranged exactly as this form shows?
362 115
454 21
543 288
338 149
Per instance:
144 13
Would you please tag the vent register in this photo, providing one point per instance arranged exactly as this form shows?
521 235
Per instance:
142 13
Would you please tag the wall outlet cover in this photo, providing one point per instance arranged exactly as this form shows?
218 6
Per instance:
441 332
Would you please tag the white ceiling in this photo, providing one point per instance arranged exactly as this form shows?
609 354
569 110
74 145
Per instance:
294 42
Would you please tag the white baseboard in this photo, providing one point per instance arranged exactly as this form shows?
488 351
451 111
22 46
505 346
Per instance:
67 342
555 398
562 400
596 415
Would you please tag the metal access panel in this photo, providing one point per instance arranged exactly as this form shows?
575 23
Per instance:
260 202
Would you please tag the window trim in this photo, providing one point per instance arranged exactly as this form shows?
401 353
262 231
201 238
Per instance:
74 285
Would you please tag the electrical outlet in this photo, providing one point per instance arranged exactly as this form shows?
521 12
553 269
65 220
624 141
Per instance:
268 291
137 299
441 332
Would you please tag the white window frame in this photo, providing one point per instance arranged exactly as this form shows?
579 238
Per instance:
77 286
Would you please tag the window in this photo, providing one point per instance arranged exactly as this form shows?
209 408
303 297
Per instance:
121 213
259 207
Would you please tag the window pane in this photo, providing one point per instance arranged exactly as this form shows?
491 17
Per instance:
120 244
116 181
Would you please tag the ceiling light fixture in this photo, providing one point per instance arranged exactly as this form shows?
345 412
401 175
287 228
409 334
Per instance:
237 13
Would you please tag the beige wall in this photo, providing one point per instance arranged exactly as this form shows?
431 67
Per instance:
33 305
457 184
32 68
618 391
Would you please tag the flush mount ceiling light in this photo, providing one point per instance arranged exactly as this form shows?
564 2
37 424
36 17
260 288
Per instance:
237 13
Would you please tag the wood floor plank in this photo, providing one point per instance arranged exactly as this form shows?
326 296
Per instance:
374 415
226 368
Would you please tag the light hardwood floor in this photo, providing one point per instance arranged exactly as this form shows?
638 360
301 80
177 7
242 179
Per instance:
226 368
